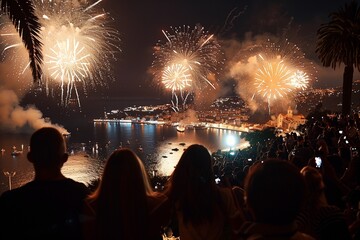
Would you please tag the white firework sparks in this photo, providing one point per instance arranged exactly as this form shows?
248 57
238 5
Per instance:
176 77
300 80
280 72
196 51
78 45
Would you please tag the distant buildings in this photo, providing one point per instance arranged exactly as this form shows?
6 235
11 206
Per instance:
289 121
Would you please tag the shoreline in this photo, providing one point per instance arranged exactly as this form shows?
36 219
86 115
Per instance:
220 126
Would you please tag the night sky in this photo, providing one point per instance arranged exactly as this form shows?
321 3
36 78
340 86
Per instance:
140 24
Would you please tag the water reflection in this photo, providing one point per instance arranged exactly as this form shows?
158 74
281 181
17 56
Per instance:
83 167
170 151
160 147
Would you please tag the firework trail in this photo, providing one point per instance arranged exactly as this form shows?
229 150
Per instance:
177 77
187 62
231 17
78 45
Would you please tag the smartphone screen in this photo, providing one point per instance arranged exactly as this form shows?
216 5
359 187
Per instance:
318 162
217 180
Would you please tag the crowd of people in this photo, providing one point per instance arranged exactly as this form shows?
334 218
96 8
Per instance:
302 185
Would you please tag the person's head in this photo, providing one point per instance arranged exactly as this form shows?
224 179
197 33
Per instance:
274 191
124 171
47 149
194 168
314 185
322 147
121 197
192 184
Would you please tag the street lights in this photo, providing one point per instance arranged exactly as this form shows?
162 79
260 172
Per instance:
9 175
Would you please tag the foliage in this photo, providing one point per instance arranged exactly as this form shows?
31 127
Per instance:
316 114
22 15
261 137
338 42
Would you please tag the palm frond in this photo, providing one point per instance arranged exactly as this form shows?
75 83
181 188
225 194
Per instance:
339 40
22 15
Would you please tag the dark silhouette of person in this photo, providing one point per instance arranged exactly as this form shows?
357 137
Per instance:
202 209
318 218
274 195
49 206
124 205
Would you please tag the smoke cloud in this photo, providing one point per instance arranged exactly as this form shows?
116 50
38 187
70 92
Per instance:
16 119
15 82
189 116
242 66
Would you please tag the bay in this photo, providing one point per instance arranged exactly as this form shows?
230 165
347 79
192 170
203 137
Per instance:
90 144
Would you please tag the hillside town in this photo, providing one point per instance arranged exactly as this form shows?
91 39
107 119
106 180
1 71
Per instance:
232 112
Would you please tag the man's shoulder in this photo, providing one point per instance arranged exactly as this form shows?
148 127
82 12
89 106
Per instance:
75 184
9 194
32 188
68 185
43 208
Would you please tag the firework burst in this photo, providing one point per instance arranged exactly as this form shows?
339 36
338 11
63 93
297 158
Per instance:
187 61
272 79
176 77
78 45
300 80
280 72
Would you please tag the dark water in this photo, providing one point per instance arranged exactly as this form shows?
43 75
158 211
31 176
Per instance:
159 146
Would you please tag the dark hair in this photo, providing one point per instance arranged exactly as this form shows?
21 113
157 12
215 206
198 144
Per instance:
47 147
274 191
192 185
345 153
121 198
314 186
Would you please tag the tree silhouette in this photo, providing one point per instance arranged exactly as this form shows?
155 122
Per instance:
22 15
338 41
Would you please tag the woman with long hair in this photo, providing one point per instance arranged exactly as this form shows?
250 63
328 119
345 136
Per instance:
202 209
124 205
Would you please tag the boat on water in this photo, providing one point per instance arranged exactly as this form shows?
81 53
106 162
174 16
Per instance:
16 153
190 126
201 126
180 128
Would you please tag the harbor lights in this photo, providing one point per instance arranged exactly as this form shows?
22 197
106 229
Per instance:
231 142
